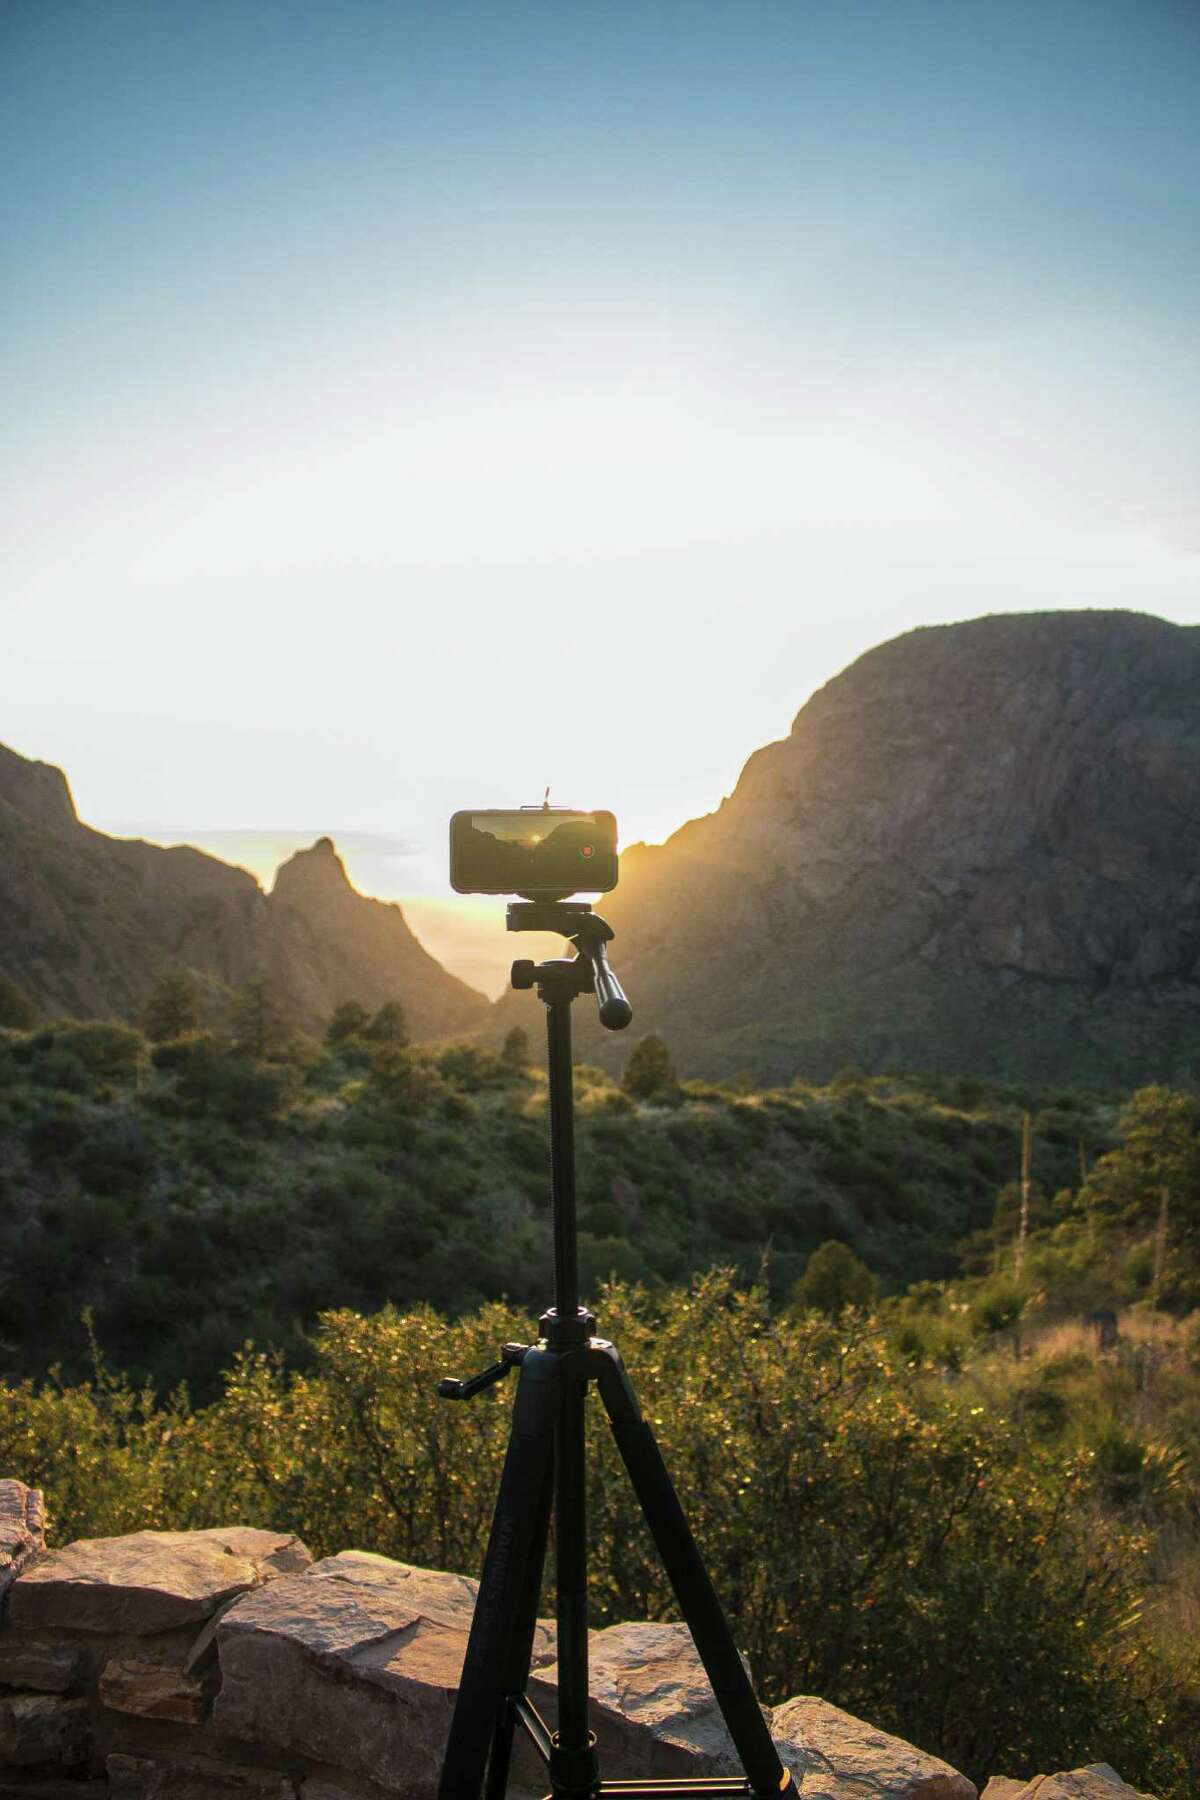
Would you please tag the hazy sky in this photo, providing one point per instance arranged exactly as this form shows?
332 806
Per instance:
408 406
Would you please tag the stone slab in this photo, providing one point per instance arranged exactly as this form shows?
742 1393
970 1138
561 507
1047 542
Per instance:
151 1581
652 1708
22 1529
38 1662
193 1778
346 1673
44 1728
152 1690
1097 1781
834 1756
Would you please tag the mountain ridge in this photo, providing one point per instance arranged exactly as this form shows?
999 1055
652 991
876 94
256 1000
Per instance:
978 848
91 920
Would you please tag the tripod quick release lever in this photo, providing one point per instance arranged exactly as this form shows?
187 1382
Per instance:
510 1356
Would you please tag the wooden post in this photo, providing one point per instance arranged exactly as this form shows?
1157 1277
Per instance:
1160 1243
1026 1158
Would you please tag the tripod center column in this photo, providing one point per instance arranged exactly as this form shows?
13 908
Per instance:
562 1158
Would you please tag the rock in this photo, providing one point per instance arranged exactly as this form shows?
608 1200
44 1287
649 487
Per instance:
133 1684
1098 1781
193 1778
151 1581
354 1664
22 1531
43 1728
835 1756
651 1696
37 1662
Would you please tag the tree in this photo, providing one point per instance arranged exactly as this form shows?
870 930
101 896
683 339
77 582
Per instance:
389 1026
833 1280
649 1070
516 1048
173 1006
17 1010
349 1020
257 1025
1161 1149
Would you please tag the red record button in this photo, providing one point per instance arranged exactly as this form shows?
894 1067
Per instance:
586 850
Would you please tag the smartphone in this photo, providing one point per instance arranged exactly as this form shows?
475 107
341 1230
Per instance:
542 851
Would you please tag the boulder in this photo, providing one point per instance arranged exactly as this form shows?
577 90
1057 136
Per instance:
834 1756
151 1581
652 1708
1097 1781
22 1530
354 1664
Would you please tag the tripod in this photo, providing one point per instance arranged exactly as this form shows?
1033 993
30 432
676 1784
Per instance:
544 1470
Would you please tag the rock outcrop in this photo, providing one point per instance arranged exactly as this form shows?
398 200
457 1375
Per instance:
212 1664
90 921
978 850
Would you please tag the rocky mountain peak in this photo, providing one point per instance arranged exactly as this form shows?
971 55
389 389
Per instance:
37 791
316 875
978 848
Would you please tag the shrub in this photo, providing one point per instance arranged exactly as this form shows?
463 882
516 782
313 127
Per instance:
649 1071
833 1281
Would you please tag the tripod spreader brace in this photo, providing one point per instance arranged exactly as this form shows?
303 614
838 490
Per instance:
588 972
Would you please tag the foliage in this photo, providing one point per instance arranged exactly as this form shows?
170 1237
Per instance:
173 1006
516 1048
388 1026
17 1011
834 1280
349 1020
256 1020
649 1072
893 1544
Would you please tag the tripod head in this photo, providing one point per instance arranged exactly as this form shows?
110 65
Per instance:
587 972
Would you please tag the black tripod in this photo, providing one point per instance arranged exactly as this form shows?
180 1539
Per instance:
545 1468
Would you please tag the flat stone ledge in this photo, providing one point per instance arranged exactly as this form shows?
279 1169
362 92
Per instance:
834 1756
151 1581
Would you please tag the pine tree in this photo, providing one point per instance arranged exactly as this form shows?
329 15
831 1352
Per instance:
349 1020
516 1048
389 1026
256 1021
173 1006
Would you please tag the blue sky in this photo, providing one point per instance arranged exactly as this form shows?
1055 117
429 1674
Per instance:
407 406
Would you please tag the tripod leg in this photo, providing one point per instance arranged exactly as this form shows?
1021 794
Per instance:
516 1674
694 1591
503 1602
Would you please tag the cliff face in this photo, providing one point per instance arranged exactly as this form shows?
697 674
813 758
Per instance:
979 848
88 921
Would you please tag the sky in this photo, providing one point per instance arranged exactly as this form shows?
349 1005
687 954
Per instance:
408 407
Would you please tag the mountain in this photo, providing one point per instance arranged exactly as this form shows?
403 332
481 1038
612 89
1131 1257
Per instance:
89 921
978 849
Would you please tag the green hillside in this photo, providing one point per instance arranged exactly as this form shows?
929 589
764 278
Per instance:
193 1196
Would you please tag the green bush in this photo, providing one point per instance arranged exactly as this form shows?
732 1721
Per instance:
882 1541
